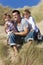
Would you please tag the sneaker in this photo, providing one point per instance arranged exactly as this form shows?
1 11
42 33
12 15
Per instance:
39 37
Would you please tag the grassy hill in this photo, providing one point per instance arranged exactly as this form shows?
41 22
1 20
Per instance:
30 53
4 10
37 12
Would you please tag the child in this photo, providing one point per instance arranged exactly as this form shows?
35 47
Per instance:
9 26
27 16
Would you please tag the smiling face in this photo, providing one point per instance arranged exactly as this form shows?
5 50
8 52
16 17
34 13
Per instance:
8 18
26 15
16 16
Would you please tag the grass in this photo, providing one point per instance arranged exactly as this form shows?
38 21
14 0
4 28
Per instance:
37 12
29 54
3 50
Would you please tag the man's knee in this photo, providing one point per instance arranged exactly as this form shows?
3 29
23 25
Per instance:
11 35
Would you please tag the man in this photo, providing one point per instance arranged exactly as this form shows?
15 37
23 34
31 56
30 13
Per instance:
30 19
23 30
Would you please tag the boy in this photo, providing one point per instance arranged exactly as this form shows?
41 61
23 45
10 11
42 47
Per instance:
9 26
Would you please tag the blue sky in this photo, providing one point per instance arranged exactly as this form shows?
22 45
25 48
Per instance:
19 3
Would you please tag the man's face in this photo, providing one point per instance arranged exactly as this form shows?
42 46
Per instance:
16 16
26 15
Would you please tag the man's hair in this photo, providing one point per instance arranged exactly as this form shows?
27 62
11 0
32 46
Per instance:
27 10
15 11
5 14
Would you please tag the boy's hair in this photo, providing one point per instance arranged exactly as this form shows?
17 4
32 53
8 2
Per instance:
5 14
26 10
8 15
16 11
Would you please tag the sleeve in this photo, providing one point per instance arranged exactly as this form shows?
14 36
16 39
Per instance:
32 23
25 25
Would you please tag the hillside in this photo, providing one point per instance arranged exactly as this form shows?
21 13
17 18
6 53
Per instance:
40 26
37 12
4 10
29 54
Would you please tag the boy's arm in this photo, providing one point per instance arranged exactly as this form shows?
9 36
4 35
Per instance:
6 26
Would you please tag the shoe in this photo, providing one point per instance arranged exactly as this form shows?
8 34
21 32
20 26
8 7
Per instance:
39 37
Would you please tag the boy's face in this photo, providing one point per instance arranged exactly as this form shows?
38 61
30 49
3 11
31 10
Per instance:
7 18
16 16
26 15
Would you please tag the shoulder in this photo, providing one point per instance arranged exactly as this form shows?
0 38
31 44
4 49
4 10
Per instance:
31 18
23 21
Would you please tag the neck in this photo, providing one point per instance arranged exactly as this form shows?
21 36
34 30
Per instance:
9 20
19 20
29 16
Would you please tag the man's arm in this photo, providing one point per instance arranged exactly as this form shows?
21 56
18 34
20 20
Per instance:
23 33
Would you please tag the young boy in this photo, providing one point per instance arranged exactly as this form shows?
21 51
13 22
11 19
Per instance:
9 26
27 16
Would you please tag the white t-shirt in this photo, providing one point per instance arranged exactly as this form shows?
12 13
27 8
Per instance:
23 24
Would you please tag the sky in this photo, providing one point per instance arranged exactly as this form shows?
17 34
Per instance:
19 3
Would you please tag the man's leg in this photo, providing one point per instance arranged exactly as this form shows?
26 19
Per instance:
30 36
19 39
15 50
12 43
